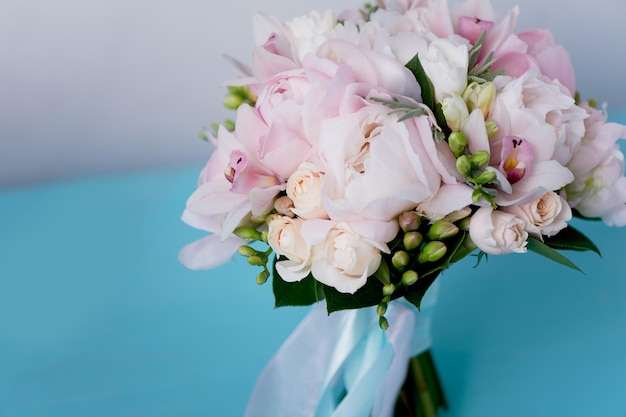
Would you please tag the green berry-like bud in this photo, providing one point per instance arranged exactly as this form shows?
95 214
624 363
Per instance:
442 229
400 260
464 165
255 260
409 221
247 251
232 101
464 224
381 309
480 159
492 128
262 277
477 195
485 177
229 125
433 251
388 289
409 277
412 240
457 142
383 323
247 233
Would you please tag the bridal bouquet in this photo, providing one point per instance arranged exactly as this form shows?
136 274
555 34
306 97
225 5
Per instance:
373 149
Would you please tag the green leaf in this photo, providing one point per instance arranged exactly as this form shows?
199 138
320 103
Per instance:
368 295
428 92
301 293
540 248
415 293
570 238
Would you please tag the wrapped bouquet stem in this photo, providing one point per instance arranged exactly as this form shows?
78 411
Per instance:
371 151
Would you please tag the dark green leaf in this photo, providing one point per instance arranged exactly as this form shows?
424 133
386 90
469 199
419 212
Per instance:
428 93
546 251
369 295
415 293
302 293
570 238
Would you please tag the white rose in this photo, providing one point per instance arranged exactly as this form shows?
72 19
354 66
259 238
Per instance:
344 259
446 63
497 232
285 238
546 215
303 188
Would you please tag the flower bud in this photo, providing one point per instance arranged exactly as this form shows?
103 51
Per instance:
246 251
410 277
256 260
247 233
232 101
480 159
477 195
283 205
485 177
383 323
464 224
442 229
388 289
492 128
229 125
409 221
381 309
262 277
455 111
412 240
480 96
457 215
400 259
457 142
464 165
433 251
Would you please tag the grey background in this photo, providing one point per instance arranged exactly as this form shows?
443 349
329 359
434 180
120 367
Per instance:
98 86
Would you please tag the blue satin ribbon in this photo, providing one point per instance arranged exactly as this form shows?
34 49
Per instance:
342 364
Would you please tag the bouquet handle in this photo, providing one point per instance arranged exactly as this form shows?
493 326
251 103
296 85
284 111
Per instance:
343 364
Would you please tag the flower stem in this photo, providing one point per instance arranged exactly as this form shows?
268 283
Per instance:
422 394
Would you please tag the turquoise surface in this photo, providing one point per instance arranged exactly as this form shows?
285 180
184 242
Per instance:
98 318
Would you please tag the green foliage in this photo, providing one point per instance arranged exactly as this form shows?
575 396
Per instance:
302 293
540 248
